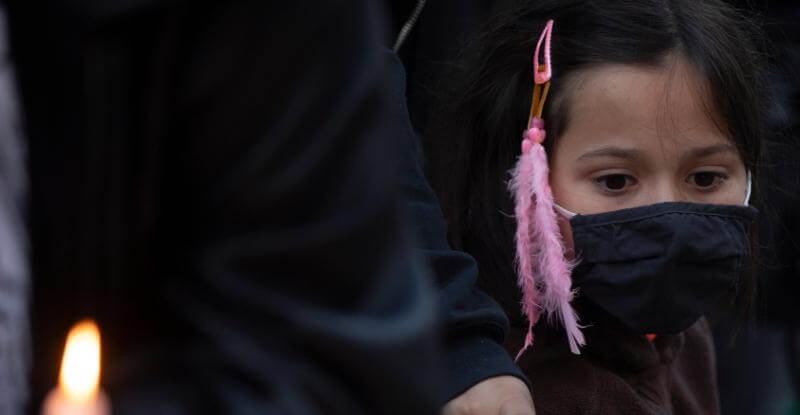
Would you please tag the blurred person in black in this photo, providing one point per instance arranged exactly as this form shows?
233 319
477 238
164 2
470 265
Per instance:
14 261
214 183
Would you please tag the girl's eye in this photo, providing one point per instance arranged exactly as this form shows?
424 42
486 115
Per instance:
615 182
706 180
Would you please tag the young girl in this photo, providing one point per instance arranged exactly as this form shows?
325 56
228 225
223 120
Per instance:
651 130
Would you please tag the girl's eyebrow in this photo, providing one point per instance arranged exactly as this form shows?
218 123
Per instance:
611 151
633 154
700 152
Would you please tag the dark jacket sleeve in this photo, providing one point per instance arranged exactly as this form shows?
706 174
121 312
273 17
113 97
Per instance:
225 208
474 324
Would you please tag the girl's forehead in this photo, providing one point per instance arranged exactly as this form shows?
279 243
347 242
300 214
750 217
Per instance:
666 108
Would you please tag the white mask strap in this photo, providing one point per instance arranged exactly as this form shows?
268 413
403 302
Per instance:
749 189
563 212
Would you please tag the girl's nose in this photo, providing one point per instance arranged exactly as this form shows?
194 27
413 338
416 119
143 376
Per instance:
667 191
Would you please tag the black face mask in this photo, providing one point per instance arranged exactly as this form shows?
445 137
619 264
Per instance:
658 268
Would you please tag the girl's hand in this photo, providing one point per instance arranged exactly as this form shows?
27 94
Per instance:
502 395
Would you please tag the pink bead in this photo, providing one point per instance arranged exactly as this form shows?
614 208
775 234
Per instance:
527 134
537 123
526 145
537 135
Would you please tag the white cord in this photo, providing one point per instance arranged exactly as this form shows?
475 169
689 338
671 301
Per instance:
406 29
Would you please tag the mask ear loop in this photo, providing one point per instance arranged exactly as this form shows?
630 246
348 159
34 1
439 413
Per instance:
749 189
568 214
542 270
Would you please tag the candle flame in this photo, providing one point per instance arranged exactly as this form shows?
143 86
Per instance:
80 368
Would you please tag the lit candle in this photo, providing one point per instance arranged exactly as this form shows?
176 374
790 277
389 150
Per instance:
78 390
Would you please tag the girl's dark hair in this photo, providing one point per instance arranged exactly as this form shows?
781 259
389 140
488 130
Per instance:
486 109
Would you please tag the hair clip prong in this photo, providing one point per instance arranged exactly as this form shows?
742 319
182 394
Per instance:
541 73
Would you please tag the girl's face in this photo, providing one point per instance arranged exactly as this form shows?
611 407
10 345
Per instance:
637 136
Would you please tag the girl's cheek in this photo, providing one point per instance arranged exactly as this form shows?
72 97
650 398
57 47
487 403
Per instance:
566 235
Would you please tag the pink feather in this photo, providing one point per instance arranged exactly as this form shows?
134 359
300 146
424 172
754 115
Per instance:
521 186
543 271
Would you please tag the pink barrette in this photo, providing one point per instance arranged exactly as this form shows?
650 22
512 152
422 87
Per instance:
542 77
542 269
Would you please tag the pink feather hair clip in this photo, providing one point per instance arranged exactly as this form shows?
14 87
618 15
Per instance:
542 269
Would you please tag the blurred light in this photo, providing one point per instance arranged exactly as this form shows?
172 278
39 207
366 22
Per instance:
80 367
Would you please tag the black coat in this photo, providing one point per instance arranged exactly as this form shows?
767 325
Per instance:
213 182
474 324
